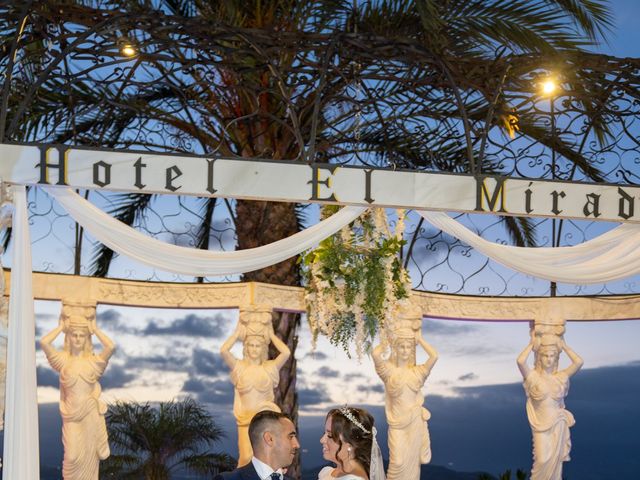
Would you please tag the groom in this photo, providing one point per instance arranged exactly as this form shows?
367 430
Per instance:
275 443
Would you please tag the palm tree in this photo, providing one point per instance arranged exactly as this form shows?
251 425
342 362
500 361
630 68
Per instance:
410 84
520 475
152 442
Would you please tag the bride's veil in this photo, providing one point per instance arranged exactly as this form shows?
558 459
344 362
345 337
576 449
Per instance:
376 468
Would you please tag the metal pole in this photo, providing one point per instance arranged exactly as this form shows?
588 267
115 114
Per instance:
554 243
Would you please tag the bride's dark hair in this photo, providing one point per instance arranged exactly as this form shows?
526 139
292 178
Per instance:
344 429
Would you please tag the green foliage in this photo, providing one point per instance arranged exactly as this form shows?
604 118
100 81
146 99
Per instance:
150 442
520 475
353 279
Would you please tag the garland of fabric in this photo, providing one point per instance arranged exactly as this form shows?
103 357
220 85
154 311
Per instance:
126 240
611 256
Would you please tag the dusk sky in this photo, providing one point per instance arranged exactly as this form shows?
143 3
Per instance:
474 392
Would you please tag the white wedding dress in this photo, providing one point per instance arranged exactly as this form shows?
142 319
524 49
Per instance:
325 474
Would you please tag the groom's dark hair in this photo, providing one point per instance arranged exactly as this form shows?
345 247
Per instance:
260 422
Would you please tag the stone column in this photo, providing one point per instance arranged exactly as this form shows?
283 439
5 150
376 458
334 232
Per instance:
21 442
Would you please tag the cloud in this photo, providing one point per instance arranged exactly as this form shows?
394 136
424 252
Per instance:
43 317
312 396
208 363
467 376
317 355
376 388
191 325
115 377
219 392
444 328
480 350
114 320
194 385
172 363
326 372
46 377
111 316
350 377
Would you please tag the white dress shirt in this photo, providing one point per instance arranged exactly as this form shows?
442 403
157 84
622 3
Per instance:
263 470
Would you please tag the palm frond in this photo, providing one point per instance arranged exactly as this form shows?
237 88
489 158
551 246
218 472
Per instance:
147 439
128 208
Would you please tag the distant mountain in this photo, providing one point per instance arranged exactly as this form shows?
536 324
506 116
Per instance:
436 472
427 472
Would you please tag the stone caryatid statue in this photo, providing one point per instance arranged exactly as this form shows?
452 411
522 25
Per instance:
546 389
254 377
408 437
84 432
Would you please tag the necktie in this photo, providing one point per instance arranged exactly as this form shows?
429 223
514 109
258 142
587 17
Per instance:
275 476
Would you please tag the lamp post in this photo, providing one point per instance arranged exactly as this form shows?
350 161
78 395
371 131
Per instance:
549 87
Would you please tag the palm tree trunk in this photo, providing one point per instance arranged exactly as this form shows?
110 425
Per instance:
261 223
286 326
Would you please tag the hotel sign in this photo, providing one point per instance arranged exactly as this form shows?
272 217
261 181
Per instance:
323 183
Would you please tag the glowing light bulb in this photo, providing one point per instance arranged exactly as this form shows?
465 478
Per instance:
128 50
549 86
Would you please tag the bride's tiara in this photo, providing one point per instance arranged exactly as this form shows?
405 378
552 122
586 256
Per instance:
347 413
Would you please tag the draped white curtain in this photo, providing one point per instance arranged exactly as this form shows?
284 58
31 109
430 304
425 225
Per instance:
21 457
610 256
190 261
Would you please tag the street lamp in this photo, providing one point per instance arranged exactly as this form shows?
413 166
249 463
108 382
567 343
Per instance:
549 87
127 48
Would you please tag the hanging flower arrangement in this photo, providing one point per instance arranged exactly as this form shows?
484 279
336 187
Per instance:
354 281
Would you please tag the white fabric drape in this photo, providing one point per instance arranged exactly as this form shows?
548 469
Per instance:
21 457
610 256
190 261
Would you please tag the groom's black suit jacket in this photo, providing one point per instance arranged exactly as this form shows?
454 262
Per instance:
243 473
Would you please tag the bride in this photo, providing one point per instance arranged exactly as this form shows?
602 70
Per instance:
349 441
